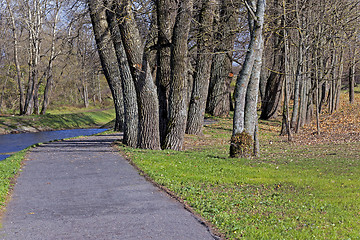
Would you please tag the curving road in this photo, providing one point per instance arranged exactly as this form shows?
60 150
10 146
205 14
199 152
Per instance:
83 189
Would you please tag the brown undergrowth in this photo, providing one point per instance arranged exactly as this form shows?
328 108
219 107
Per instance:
343 126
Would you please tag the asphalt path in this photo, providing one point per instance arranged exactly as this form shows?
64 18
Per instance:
83 189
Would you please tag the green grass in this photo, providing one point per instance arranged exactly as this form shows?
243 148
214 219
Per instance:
57 121
8 169
292 192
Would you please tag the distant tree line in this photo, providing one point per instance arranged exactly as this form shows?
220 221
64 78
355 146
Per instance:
47 54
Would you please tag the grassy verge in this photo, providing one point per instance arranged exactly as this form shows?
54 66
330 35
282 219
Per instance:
55 121
8 169
293 192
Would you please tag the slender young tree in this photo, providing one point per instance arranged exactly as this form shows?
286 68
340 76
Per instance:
49 71
16 58
242 140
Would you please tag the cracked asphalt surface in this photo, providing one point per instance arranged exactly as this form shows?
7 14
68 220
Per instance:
83 189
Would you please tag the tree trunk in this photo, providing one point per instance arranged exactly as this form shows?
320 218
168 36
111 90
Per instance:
130 100
178 85
197 106
16 59
3 88
148 104
107 57
218 101
286 111
271 101
49 81
247 87
245 73
166 12
352 69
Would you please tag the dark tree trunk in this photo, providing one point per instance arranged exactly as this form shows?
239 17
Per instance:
352 78
166 12
218 101
129 91
178 86
148 105
107 57
202 72
270 102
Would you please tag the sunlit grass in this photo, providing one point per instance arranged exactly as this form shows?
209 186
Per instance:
291 192
8 169
57 121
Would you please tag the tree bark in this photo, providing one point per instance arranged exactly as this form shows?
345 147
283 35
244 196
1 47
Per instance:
107 57
245 73
197 106
178 86
130 100
166 12
352 69
271 100
219 96
148 104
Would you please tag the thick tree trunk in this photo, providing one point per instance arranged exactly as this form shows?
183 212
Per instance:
178 86
218 101
203 66
148 104
107 57
166 12
130 100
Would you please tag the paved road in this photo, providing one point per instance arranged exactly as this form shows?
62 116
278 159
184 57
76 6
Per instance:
83 189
